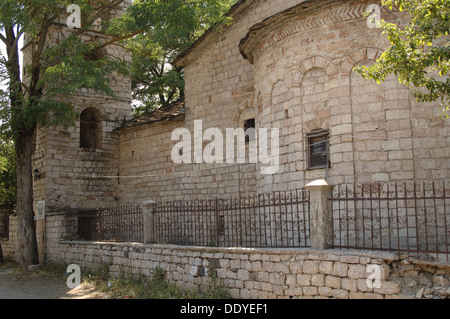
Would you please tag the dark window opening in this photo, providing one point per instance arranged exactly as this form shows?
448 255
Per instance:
90 129
318 149
249 128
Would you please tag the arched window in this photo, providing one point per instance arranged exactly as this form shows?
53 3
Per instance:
90 129
248 123
249 128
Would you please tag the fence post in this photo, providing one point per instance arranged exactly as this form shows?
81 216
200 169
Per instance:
40 231
320 214
149 221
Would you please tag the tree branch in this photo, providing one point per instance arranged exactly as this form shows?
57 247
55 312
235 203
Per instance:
120 38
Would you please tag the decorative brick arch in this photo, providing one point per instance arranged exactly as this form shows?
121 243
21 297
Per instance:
85 104
319 62
249 113
279 75
274 84
243 106
293 77
357 56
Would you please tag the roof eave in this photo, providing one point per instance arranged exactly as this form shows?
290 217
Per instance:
259 30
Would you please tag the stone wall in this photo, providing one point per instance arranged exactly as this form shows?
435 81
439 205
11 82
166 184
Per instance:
9 243
219 91
148 171
303 69
254 273
219 88
299 78
267 273
75 177
5 211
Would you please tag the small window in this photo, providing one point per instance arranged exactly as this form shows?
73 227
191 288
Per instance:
90 129
318 150
249 128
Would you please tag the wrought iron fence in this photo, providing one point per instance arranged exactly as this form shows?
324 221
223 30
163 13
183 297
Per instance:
279 219
410 218
115 224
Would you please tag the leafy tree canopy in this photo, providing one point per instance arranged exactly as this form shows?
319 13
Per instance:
155 31
419 54
7 174
58 68
155 81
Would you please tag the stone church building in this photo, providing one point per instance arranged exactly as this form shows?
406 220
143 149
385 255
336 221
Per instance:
284 64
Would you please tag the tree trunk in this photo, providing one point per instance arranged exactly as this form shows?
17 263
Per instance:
26 250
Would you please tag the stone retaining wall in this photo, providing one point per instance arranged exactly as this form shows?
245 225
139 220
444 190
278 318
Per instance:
267 273
4 213
9 243
255 273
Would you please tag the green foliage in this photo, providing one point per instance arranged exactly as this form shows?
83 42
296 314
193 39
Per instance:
155 31
71 70
156 287
172 26
154 81
419 54
78 61
56 72
53 74
8 183
172 22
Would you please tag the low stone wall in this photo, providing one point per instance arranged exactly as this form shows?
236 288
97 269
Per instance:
9 243
254 273
5 211
267 273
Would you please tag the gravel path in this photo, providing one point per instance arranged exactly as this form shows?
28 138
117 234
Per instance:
33 286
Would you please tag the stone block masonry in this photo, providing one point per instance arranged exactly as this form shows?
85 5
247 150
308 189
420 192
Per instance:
263 273
299 77
254 273
4 220
69 167
8 241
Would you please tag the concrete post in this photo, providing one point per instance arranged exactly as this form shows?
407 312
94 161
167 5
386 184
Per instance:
149 221
320 214
40 231
40 238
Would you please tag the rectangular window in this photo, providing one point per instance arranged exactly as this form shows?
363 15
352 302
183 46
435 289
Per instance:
249 128
317 148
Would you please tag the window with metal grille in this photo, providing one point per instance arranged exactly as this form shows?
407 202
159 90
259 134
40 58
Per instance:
318 149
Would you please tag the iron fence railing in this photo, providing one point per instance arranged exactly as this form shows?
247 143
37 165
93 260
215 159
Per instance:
114 224
278 219
410 218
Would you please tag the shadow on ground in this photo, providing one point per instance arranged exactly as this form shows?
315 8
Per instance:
15 285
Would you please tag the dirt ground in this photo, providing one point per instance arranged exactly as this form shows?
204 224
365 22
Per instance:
38 286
